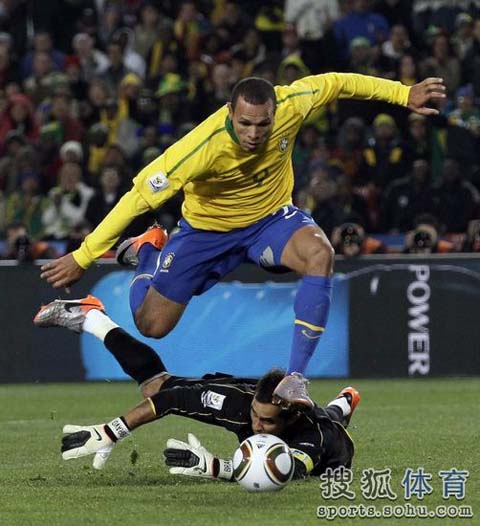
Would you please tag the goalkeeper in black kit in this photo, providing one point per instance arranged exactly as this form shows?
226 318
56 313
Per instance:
316 436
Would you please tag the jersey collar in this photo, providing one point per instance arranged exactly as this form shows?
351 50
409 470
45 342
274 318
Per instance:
230 130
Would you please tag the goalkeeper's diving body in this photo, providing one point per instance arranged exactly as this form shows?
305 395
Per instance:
235 169
316 436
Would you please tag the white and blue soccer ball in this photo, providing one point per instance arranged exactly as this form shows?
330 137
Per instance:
263 463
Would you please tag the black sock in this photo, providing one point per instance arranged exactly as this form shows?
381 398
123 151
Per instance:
138 360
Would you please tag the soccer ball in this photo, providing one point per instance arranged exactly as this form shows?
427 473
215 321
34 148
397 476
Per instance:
263 463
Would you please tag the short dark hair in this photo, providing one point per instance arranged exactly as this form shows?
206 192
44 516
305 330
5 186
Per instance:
254 90
266 385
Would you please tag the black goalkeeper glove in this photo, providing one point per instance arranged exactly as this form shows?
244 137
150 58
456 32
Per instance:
193 460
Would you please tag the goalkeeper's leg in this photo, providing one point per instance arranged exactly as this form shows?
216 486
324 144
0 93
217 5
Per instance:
138 360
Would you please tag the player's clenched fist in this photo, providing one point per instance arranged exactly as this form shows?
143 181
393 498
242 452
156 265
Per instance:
98 440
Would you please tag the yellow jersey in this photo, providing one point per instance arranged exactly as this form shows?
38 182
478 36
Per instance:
226 187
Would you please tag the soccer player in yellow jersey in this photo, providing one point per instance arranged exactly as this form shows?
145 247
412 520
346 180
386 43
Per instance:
235 169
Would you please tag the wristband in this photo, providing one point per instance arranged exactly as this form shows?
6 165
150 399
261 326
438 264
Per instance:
222 469
117 429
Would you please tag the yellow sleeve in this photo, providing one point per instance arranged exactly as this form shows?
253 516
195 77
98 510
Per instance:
108 231
317 90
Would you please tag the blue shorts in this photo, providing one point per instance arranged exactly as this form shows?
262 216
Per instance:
194 260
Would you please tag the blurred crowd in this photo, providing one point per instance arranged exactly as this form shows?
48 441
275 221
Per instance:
91 91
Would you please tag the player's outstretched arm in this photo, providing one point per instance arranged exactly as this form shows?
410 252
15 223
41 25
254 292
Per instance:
194 460
62 272
421 94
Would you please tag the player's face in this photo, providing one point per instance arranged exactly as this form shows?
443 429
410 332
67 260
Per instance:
266 418
252 123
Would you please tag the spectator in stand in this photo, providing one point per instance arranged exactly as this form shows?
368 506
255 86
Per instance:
71 152
408 197
312 21
117 69
90 109
19 246
418 144
350 240
13 150
26 205
360 21
394 49
42 43
443 64
67 203
383 158
133 61
319 199
92 61
173 106
471 62
407 70
362 57
110 21
19 116
395 11
306 142
354 206
348 152
189 27
425 237
61 113
464 131
150 25
472 239
105 197
458 199
234 23
121 128
252 49
38 85
462 39
8 70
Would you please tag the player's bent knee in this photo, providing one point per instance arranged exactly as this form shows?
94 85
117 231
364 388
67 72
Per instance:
150 327
320 258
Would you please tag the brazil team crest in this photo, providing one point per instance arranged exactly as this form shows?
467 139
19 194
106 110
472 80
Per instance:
283 144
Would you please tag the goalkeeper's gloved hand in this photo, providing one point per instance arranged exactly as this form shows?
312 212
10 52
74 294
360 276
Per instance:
81 441
193 460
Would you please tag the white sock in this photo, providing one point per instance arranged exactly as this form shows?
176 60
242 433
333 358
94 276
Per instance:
98 324
343 404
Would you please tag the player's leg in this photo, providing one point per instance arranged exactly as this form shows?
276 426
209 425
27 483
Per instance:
190 263
341 408
137 360
309 253
292 239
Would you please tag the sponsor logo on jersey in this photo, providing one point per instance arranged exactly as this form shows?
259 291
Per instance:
157 182
283 144
213 400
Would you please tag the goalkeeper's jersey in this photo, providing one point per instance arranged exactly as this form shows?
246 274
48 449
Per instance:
226 187
316 440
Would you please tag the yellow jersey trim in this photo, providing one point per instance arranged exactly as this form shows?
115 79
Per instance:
309 325
152 406
195 150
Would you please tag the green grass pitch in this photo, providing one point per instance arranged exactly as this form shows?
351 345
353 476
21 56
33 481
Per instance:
399 424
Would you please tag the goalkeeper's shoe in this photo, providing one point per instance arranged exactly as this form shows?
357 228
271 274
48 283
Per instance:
127 251
352 396
292 391
67 313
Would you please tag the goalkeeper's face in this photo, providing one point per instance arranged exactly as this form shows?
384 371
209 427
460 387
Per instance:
252 123
266 418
